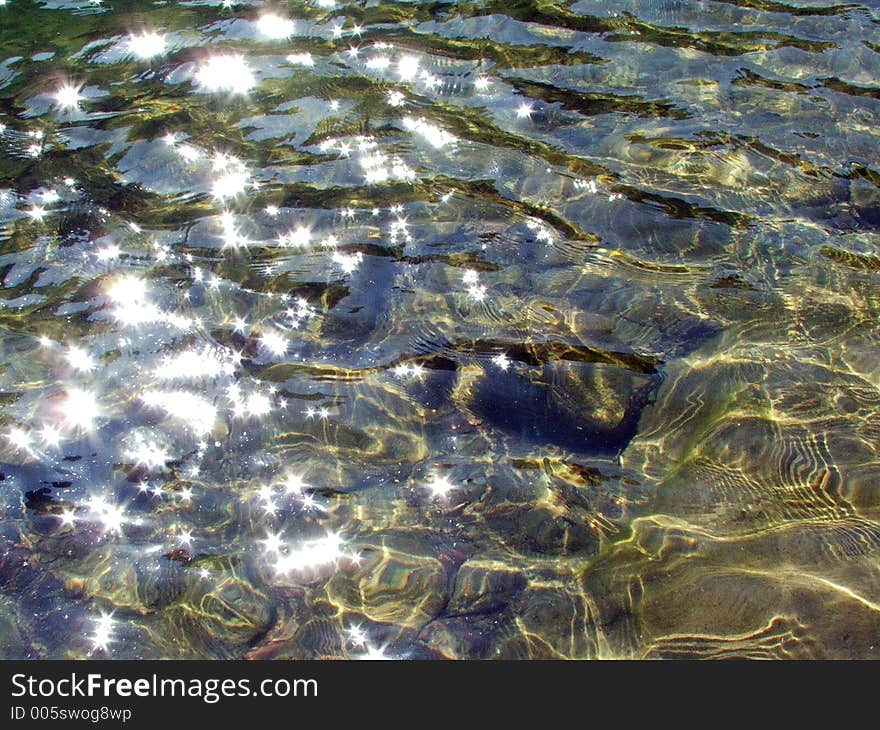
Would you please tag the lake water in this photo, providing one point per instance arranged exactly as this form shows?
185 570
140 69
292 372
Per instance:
439 330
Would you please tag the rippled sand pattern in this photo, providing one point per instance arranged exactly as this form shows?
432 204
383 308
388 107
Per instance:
439 330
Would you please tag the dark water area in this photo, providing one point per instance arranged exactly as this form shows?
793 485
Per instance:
439 330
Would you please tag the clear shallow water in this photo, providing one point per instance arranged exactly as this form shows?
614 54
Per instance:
439 330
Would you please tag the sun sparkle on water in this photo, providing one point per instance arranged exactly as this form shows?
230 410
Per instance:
275 26
80 408
147 45
68 96
228 72
432 282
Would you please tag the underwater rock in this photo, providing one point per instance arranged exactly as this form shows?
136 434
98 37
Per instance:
555 623
533 530
161 584
466 637
234 613
674 591
484 589
588 408
865 200
355 318
318 638
196 294
12 643
400 589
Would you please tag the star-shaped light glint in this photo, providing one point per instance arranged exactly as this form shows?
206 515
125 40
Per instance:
375 653
273 542
67 517
356 635
19 438
439 486
80 409
294 484
68 96
104 628
501 361
274 343
524 111
80 359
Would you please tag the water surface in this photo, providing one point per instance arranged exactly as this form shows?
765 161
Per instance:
424 330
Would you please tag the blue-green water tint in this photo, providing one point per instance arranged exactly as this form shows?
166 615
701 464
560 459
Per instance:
492 329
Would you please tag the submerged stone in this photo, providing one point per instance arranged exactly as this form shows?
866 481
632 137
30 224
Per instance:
484 589
400 589
534 530
587 408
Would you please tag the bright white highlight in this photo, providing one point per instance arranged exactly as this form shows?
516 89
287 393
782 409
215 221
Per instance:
194 364
196 412
348 262
311 555
275 27
80 359
501 361
439 486
68 97
146 45
274 342
80 409
301 59
226 73
104 627
431 133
